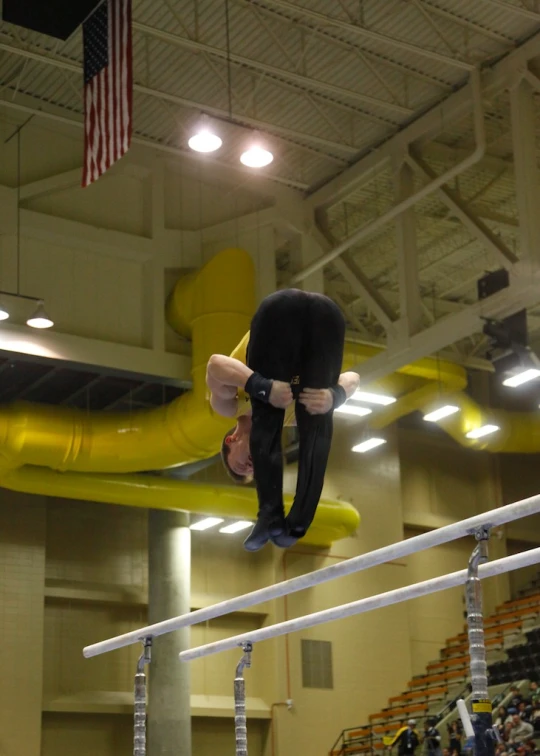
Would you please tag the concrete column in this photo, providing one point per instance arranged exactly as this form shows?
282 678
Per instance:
523 120
169 581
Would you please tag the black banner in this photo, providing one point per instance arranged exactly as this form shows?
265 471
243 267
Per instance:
57 18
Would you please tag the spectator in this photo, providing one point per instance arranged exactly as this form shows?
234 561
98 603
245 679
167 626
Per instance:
406 739
534 693
512 710
524 711
432 738
517 698
501 717
519 732
535 717
455 735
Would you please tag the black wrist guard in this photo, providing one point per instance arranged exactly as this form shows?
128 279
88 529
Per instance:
339 396
258 387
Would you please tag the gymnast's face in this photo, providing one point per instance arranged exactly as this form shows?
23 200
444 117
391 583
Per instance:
239 458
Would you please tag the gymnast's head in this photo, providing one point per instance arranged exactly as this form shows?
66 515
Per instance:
236 454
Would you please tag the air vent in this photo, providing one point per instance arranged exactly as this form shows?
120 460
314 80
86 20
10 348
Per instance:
317 669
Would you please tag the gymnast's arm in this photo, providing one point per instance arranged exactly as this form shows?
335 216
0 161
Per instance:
224 376
321 401
349 382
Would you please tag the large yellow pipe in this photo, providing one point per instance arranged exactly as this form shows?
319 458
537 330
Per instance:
79 455
334 520
213 307
519 432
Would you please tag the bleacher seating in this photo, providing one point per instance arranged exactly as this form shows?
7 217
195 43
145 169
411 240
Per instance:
523 660
512 632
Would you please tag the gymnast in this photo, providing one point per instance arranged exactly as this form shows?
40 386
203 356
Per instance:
285 370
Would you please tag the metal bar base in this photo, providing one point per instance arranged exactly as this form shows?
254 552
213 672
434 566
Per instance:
240 717
481 719
139 715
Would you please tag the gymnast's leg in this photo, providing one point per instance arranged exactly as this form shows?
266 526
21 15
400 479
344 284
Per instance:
274 352
321 368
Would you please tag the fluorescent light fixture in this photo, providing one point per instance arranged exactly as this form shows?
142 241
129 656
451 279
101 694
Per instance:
366 446
4 314
484 430
205 141
366 396
40 319
352 409
236 527
208 522
439 414
256 157
520 378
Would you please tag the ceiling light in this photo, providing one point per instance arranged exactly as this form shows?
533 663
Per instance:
352 409
366 396
439 414
4 314
208 522
205 141
236 527
366 446
256 157
40 319
524 377
484 430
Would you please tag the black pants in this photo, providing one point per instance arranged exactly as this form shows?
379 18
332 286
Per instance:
296 337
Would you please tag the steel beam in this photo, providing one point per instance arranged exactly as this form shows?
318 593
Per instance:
523 118
305 82
358 282
364 289
519 10
523 292
410 302
445 112
361 31
472 223
270 128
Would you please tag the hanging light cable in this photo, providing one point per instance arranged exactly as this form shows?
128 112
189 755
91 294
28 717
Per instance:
229 62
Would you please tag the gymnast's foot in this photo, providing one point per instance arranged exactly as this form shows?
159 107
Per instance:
262 531
284 540
288 537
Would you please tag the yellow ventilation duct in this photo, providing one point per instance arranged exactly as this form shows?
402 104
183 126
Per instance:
213 307
519 432
56 451
334 519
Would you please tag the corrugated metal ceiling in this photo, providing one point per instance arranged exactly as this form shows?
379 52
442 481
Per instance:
324 81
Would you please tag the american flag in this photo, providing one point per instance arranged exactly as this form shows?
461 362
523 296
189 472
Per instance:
108 87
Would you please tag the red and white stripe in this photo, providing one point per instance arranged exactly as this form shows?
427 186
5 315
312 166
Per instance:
109 99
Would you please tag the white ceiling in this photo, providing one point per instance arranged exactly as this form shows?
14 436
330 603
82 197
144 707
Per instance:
325 81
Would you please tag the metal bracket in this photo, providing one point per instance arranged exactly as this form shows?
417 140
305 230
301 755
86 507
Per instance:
482 533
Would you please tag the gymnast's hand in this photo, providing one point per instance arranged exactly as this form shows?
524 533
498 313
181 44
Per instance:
280 395
317 401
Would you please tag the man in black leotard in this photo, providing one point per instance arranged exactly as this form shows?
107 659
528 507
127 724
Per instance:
294 355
